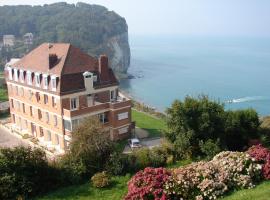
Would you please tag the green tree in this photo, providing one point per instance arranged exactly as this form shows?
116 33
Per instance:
198 124
91 145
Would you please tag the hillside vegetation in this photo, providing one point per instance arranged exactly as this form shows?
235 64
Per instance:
86 26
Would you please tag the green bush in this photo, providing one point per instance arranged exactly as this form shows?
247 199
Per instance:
100 180
25 172
210 148
116 163
201 119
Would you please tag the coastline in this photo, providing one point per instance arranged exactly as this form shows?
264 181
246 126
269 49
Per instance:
141 106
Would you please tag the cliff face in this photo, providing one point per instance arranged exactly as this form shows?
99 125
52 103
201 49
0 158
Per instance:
92 28
117 48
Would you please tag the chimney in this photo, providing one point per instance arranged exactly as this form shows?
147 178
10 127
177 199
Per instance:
103 68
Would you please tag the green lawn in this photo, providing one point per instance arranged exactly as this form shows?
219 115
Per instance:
3 95
116 191
149 123
260 192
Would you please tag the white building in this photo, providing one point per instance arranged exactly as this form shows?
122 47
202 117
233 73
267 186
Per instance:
8 40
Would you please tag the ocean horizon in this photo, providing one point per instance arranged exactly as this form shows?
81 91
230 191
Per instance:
232 70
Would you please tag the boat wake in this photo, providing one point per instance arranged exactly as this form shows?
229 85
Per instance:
248 99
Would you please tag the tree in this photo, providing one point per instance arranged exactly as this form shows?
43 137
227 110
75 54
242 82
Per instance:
240 127
199 116
91 145
198 124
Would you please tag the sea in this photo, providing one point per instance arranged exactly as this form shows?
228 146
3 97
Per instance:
232 70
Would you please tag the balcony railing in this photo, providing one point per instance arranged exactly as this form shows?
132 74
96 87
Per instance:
98 106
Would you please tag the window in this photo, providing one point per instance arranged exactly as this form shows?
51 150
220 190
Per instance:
75 123
23 107
95 78
39 114
55 120
21 92
21 76
18 105
37 96
46 99
41 131
122 116
123 130
30 94
37 79
25 124
45 81
47 117
29 78
49 136
67 125
103 118
56 139
53 101
15 74
53 83
17 90
112 95
31 110
12 103
74 103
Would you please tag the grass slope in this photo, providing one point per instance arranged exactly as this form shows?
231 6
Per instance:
260 192
151 124
116 191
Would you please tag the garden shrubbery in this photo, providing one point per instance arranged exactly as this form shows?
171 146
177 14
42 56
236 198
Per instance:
200 127
25 172
261 155
101 180
148 184
227 171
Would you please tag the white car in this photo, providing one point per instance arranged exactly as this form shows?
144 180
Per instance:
134 143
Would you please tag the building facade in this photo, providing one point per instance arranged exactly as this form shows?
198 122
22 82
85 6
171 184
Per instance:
8 40
57 86
28 39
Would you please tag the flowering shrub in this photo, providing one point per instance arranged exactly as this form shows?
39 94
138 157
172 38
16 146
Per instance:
209 180
261 155
200 180
148 184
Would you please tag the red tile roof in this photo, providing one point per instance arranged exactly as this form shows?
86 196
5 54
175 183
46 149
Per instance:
71 63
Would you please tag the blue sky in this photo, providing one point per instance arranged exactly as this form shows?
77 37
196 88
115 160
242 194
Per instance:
186 17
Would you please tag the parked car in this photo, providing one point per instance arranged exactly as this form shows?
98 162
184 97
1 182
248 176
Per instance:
134 143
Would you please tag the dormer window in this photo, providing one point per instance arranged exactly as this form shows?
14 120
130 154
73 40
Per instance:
15 74
53 82
45 81
22 76
37 79
29 78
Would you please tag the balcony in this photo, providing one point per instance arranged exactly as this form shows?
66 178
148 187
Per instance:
85 110
98 106
120 102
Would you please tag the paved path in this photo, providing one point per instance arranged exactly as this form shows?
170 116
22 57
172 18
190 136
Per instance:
9 140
